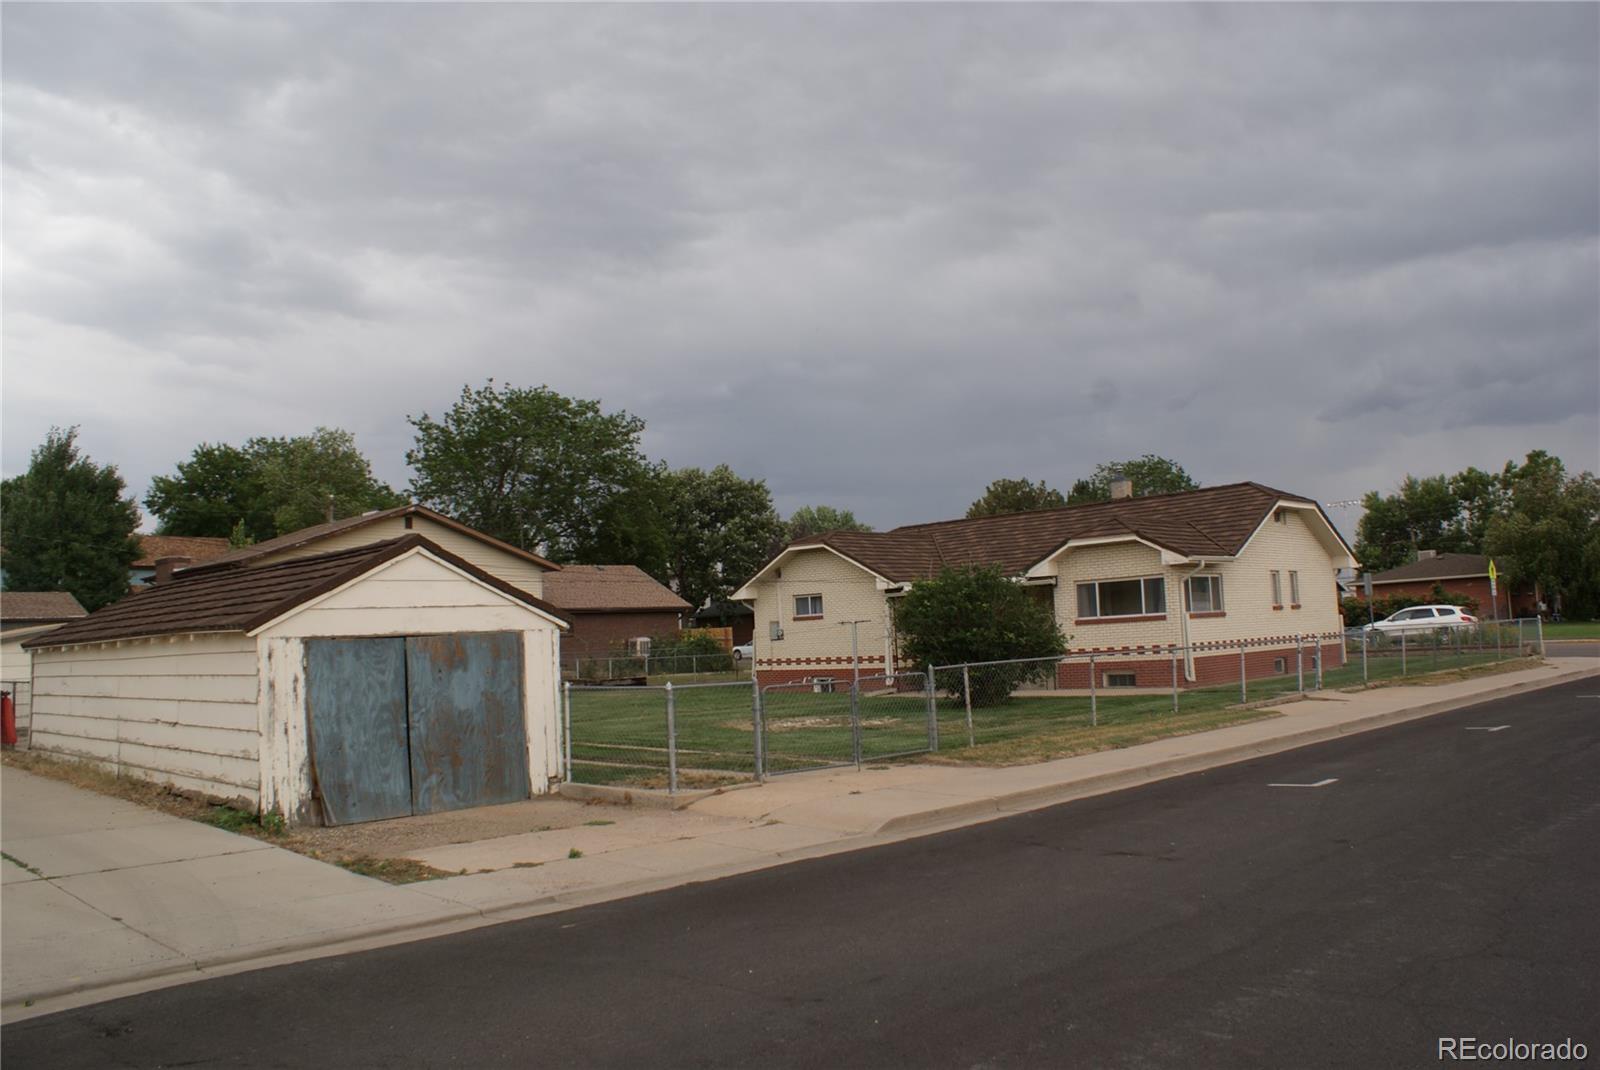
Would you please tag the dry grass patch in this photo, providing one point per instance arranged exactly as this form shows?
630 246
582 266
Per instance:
1451 676
1069 741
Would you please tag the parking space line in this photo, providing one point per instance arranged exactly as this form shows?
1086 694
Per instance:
1318 784
1486 728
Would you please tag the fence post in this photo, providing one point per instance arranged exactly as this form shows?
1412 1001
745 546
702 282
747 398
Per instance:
1244 695
1299 664
760 729
855 721
1318 656
966 691
566 727
1364 658
1538 627
1402 653
1094 712
1174 652
672 741
933 711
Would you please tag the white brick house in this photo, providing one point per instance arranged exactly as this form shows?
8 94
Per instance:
1204 568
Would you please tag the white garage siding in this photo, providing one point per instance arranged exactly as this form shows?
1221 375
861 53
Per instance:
181 710
412 595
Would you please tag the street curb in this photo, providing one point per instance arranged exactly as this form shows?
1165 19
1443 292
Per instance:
644 798
1105 783
956 814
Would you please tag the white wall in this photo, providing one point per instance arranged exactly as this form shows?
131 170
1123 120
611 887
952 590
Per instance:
517 571
848 593
413 595
179 710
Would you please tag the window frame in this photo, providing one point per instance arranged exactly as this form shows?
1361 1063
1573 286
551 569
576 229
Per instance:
1277 589
1294 588
811 598
1144 598
1215 602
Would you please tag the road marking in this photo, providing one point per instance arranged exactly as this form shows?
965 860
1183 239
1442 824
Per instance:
1485 728
1318 784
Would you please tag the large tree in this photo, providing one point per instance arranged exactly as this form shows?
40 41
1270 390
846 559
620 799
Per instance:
66 526
535 468
1548 534
268 487
816 519
978 614
1150 474
721 528
1421 514
1015 496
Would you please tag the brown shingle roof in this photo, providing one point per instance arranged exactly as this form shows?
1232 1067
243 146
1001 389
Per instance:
609 589
196 548
304 536
1212 520
1445 566
38 607
239 599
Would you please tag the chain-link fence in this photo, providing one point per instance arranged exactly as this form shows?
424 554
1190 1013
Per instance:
675 736
656 670
827 721
1391 653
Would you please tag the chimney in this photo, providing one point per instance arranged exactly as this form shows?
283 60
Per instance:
1427 555
165 566
1121 485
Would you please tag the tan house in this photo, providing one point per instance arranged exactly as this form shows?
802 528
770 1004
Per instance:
516 566
374 681
1204 569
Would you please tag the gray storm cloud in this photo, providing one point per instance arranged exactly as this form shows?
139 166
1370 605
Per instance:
877 255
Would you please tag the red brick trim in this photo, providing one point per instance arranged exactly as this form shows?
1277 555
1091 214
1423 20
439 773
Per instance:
1121 620
1208 613
1294 605
1276 608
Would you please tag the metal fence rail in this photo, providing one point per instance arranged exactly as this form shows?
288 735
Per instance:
684 735
603 670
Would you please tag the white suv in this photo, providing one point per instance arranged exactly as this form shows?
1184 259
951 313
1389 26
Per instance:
1423 619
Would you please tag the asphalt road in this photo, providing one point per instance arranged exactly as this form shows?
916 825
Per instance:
1445 884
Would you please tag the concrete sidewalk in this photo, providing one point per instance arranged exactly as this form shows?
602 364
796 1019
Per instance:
102 898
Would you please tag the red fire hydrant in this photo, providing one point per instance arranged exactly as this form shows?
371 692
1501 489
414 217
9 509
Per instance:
8 720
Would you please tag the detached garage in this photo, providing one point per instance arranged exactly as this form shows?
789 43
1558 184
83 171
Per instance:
389 679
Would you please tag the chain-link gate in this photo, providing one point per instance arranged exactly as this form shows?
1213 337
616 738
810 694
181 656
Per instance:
828 721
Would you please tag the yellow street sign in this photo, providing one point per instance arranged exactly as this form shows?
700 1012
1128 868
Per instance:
1493 575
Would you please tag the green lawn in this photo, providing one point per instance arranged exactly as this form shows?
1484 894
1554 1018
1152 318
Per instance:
619 735
1572 629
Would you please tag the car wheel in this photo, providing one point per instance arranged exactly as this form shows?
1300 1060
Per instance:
738 655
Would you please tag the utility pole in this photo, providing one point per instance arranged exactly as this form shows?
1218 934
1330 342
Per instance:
855 657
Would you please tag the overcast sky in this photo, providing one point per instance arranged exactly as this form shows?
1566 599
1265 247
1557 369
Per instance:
877 256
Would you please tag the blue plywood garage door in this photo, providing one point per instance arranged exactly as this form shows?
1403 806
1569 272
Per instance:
416 725
356 701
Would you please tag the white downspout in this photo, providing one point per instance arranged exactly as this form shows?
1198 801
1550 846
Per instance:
1183 620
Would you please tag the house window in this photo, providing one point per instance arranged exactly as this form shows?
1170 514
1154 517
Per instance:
1294 588
1280 516
1123 598
1280 665
807 605
1205 594
1121 679
1277 588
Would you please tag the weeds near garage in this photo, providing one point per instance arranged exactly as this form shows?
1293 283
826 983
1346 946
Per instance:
594 823
574 853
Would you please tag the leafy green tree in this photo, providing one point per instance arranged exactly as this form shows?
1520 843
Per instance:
1549 533
1150 474
66 526
538 470
1015 496
721 529
268 487
815 519
1422 514
978 614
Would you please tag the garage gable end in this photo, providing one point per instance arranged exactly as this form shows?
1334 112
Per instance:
417 591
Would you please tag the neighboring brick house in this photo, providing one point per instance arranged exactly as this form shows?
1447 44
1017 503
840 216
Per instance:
609 605
1204 568
1466 574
